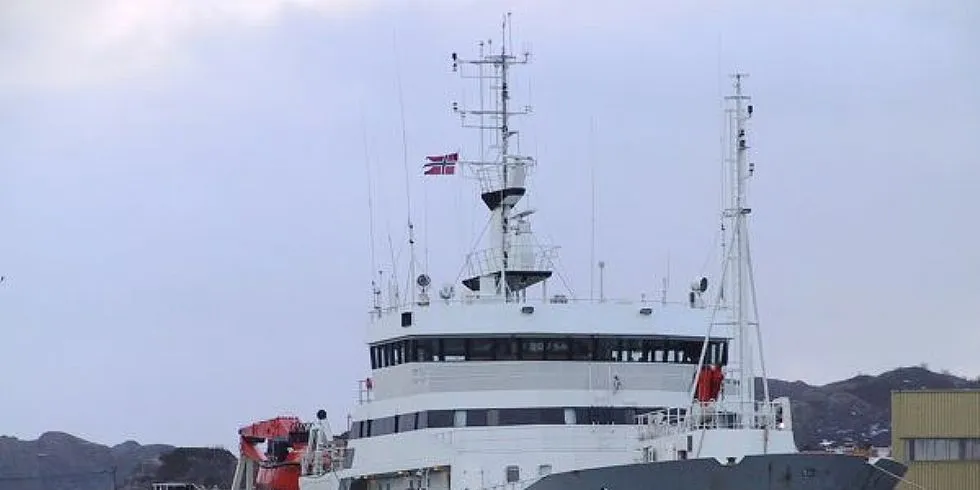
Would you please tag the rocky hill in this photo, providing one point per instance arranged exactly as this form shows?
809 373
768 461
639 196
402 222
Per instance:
858 409
854 410
59 461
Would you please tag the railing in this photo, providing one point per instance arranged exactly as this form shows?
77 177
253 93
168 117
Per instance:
365 391
318 462
558 298
519 257
712 416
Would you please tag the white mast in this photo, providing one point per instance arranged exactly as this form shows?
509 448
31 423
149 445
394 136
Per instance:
739 262
502 179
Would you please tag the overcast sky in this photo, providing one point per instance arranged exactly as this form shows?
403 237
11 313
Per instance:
183 191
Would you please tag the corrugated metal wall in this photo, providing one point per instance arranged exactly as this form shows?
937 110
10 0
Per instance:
940 414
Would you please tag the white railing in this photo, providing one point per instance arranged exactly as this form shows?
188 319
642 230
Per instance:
554 299
365 391
519 258
713 416
332 458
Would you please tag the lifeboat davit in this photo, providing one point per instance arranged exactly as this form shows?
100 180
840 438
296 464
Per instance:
279 466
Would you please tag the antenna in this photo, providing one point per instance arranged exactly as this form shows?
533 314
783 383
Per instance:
592 184
375 287
745 316
408 188
502 174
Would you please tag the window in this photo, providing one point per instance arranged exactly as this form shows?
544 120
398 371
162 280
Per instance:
605 349
482 349
454 349
459 418
544 469
476 418
570 416
440 418
506 349
558 349
634 350
513 474
951 449
406 422
427 350
582 349
532 349
383 426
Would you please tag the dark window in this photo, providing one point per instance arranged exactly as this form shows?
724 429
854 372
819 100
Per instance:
476 418
607 349
483 349
532 416
407 319
427 350
518 416
398 349
557 349
411 351
633 351
532 349
454 349
513 474
440 418
582 349
380 427
552 416
604 349
406 422
506 349
595 415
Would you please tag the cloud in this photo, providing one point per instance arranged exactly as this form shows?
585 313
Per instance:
56 44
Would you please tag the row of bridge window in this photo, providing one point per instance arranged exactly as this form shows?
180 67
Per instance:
520 348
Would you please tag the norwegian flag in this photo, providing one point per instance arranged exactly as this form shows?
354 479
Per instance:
441 164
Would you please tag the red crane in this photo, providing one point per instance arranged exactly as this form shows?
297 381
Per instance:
279 466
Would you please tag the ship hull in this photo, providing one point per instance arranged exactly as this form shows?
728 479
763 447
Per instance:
801 471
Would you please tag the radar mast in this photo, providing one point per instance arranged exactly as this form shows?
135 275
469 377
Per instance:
512 263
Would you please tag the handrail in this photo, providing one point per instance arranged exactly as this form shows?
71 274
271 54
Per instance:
556 299
713 416
520 257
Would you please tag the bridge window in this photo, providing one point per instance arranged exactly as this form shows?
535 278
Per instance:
520 348
532 349
557 349
454 349
483 349
582 349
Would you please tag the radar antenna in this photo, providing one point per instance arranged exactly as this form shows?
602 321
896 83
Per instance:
511 264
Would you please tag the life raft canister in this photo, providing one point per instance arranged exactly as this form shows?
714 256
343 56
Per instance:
709 384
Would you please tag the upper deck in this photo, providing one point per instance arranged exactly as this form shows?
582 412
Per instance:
493 316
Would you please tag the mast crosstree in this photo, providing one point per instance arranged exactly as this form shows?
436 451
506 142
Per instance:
512 263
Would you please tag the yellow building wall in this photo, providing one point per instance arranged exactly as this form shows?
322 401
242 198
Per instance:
936 414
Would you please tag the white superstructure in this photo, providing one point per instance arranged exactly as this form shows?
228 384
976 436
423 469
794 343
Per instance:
500 381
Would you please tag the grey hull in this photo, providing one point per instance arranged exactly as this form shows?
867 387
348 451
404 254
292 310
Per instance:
802 471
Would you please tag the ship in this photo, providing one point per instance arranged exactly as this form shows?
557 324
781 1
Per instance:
503 384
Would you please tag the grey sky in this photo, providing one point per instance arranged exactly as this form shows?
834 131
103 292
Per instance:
184 209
